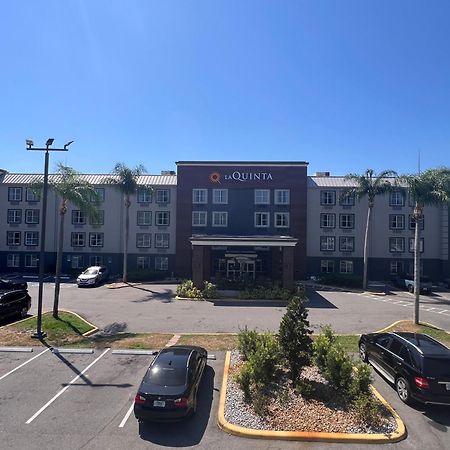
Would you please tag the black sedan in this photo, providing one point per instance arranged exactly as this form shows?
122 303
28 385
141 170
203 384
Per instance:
168 391
12 284
418 365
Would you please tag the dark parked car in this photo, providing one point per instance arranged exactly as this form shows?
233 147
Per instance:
418 365
14 303
169 389
407 282
93 276
12 284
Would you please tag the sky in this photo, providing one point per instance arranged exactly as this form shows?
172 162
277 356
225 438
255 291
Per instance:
344 85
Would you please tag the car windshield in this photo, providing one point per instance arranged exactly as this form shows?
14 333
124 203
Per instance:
90 271
436 367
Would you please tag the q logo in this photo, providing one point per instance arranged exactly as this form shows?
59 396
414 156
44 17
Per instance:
215 177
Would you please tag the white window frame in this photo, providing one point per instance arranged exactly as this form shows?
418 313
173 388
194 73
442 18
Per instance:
327 197
31 238
199 218
13 238
346 221
199 196
78 217
143 240
162 218
144 195
100 195
78 239
326 265
281 220
330 216
411 245
345 247
144 218
346 266
262 196
412 222
32 216
219 219
77 261
15 214
220 196
31 196
143 263
395 248
31 260
162 263
282 197
396 221
95 260
14 194
327 243
96 239
162 196
396 267
347 200
13 260
100 220
262 219
396 198
162 240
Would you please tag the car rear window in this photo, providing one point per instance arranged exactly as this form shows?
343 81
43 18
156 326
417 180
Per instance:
436 367
169 369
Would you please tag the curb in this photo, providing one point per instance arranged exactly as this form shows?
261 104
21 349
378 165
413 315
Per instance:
406 320
237 430
88 333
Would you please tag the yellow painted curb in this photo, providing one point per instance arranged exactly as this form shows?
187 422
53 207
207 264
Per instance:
389 326
88 333
406 320
237 430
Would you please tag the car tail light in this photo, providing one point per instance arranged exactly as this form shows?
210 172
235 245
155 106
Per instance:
139 400
422 383
181 402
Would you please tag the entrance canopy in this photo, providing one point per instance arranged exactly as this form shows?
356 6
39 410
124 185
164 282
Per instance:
243 241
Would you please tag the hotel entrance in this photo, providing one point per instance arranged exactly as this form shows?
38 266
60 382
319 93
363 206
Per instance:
240 267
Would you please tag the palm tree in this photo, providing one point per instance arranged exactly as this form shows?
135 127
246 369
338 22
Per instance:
70 188
428 188
126 180
371 185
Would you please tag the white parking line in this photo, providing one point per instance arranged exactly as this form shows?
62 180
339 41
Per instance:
64 389
23 364
127 415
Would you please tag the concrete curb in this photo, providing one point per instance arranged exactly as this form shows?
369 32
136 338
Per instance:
406 320
237 430
88 333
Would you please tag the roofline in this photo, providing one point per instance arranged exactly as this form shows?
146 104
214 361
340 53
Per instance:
241 163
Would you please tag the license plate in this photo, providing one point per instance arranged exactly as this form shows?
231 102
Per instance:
447 386
159 403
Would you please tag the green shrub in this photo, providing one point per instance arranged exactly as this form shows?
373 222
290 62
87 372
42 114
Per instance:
321 346
265 359
361 379
336 279
188 290
294 336
209 290
247 342
306 388
244 379
259 400
339 367
263 293
367 410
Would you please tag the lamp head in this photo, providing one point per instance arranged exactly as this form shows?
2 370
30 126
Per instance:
30 143
66 145
49 141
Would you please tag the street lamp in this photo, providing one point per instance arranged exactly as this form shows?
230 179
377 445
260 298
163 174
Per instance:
30 146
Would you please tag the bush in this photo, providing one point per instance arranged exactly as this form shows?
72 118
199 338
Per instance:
306 388
263 293
264 360
294 336
367 410
361 379
247 342
321 346
188 290
259 400
209 290
339 367
341 280
244 379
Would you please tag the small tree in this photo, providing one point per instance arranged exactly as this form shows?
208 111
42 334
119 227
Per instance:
294 336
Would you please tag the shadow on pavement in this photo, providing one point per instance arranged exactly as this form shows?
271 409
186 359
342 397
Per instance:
165 296
315 300
189 432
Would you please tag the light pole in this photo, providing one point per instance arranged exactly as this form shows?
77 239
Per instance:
30 146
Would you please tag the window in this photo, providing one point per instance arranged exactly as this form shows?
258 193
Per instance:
220 196
15 194
346 266
219 219
31 238
95 260
100 195
327 243
13 260
412 242
347 200
397 198
14 216
95 239
347 244
32 216
396 221
282 196
162 218
162 263
144 218
143 262
144 195
13 238
161 240
99 219
396 267
77 262
326 266
261 219
199 218
262 196
78 217
31 260
327 220
199 196
78 239
282 220
346 221
32 196
412 222
327 198
143 240
162 196
396 244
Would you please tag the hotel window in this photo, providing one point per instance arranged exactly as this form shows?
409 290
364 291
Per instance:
15 194
199 196
162 196
282 196
13 238
13 260
261 219
396 244
144 218
78 217
327 220
77 262
31 260
32 216
143 240
396 221
327 243
326 266
95 239
144 195
199 218
161 240
220 196
219 219
411 245
162 218
143 262
346 243
161 263
32 196
99 220
346 221
31 238
412 222
282 220
100 195
397 198
327 198
346 266
395 267
95 260
347 200
14 216
262 196
78 239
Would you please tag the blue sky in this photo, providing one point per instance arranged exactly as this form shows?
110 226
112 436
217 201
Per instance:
345 85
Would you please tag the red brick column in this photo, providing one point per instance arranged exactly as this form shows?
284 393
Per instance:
288 268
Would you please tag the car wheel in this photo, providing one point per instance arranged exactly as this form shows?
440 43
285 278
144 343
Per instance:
403 390
363 352
411 288
23 312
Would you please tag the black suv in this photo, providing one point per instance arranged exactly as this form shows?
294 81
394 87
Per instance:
12 284
14 303
418 365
